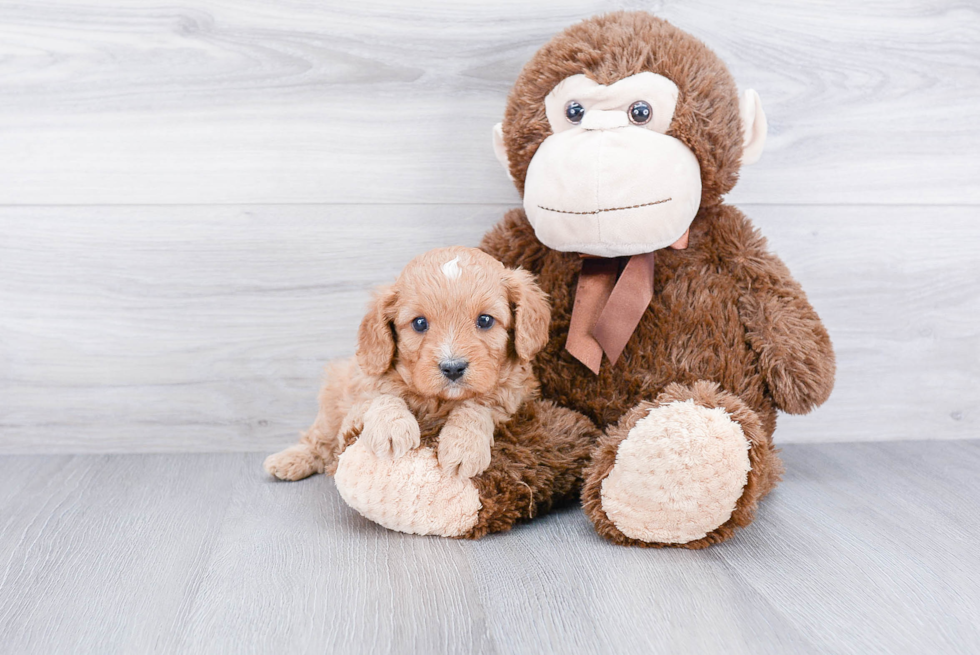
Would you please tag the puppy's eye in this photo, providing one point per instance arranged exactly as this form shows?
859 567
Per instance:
485 321
640 112
574 112
420 324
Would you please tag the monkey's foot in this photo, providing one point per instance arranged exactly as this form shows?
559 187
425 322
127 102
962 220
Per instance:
680 472
677 474
410 494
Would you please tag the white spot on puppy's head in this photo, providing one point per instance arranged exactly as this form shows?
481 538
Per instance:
451 269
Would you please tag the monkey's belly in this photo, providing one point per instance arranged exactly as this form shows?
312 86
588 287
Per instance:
675 347
411 494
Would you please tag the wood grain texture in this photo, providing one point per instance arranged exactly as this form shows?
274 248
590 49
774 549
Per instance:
205 329
133 102
105 555
865 548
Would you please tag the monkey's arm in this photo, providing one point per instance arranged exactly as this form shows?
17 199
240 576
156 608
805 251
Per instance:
794 349
512 241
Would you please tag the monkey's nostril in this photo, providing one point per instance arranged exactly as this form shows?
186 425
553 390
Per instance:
453 368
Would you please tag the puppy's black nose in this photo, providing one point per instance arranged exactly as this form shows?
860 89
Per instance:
454 368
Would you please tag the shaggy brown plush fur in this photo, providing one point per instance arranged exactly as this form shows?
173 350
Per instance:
728 326
537 463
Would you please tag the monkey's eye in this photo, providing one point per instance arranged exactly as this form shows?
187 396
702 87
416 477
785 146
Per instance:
574 112
484 321
420 324
640 113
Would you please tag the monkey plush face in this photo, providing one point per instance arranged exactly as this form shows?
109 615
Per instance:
622 162
582 194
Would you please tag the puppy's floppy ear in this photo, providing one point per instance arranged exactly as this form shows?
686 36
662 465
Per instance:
532 313
375 338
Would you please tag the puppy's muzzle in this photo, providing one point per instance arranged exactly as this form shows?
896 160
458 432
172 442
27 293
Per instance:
453 369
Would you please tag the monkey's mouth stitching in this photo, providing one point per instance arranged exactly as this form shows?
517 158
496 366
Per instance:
611 209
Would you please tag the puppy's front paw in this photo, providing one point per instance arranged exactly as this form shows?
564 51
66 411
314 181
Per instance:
390 430
464 451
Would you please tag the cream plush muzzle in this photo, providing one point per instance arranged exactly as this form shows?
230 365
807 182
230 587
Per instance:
611 192
606 186
609 187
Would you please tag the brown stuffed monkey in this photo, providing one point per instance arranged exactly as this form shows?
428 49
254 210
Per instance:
673 328
675 335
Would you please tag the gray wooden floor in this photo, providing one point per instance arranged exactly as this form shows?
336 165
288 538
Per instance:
865 548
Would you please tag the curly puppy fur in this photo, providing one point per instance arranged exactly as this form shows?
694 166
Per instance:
728 325
398 378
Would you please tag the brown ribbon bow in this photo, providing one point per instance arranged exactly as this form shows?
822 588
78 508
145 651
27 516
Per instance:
607 310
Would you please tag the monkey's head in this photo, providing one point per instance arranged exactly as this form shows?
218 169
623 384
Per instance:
619 129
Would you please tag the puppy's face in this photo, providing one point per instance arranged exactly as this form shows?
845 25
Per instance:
450 317
451 325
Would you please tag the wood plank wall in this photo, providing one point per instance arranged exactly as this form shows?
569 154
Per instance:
195 198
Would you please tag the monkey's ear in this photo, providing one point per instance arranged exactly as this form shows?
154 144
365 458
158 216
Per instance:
500 149
754 126
532 314
375 339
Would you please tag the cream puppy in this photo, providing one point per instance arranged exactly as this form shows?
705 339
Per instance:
451 342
